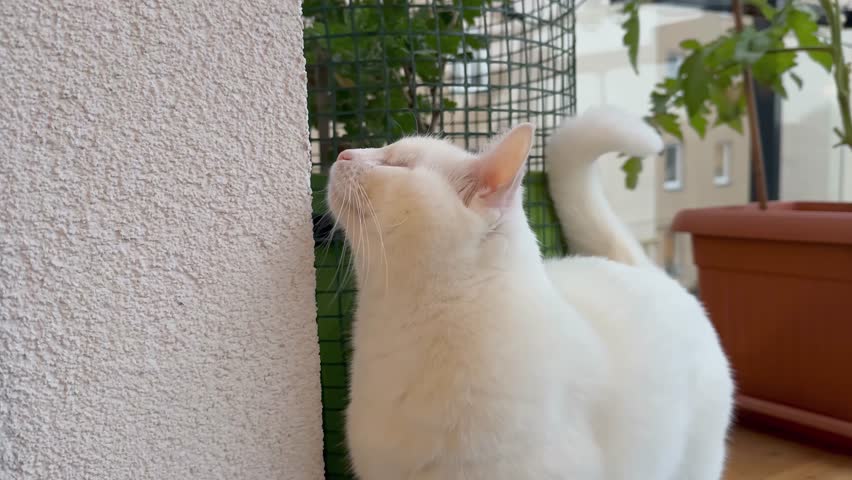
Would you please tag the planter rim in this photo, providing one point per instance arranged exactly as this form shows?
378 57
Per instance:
812 222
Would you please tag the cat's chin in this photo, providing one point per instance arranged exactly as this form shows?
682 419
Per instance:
344 190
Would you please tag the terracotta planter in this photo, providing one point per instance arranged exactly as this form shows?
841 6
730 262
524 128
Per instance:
778 287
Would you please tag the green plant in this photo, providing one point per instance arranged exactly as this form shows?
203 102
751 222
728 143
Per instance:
714 82
376 68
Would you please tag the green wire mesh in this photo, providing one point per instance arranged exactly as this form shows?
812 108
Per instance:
463 69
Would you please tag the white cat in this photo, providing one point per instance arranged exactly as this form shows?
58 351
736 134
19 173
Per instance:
475 359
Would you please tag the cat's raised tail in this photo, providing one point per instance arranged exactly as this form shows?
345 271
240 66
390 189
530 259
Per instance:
589 224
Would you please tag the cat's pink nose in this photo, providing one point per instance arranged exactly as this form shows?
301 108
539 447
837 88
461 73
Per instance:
345 155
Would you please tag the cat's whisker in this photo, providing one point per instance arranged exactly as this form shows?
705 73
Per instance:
325 243
393 227
327 204
363 237
334 228
344 281
356 255
354 246
379 232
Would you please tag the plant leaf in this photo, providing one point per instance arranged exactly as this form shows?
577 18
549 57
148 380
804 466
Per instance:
752 45
805 27
729 102
659 102
669 123
631 32
690 44
765 9
699 124
472 9
736 124
632 167
695 82
720 53
477 42
771 67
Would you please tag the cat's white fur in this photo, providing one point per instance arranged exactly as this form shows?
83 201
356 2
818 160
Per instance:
475 359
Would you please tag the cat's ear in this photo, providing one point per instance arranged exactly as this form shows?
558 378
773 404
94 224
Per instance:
501 167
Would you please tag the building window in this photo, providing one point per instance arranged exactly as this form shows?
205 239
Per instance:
472 75
722 165
673 167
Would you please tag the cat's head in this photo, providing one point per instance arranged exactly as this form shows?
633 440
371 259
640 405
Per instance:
426 195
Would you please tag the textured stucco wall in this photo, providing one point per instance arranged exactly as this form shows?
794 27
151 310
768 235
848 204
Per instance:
156 278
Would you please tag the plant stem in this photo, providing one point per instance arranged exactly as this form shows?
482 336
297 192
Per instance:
437 111
800 49
753 123
411 95
754 140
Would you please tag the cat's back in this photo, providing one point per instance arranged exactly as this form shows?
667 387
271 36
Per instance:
668 371
651 325
626 303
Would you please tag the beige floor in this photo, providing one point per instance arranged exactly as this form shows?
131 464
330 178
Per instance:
757 456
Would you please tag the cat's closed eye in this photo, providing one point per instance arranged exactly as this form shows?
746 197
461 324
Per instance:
392 163
404 161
